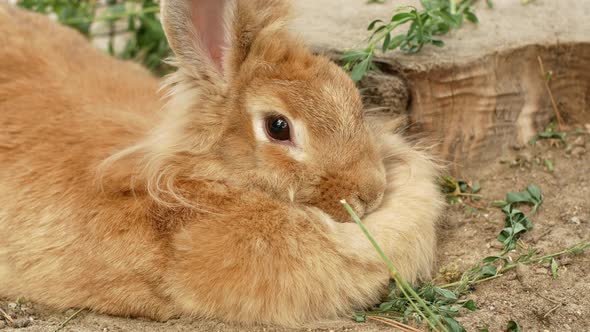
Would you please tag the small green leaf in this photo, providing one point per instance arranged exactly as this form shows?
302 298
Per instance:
471 17
453 325
500 203
385 306
402 17
513 327
353 56
549 165
490 3
491 259
554 268
386 42
535 192
359 70
518 228
549 133
445 293
438 43
396 41
452 20
470 305
359 317
379 29
518 197
489 271
475 187
372 24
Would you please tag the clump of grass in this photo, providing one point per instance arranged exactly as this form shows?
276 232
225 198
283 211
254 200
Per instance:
438 305
487 270
414 300
146 43
435 18
517 222
550 133
460 191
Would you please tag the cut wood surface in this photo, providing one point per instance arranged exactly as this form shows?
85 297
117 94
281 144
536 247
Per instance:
483 92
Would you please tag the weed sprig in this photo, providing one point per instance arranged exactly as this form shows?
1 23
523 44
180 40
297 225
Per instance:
438 305
410 295
458 191
516 221
549 133
435 18
485 270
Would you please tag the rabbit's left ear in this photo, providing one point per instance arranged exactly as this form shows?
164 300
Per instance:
212 38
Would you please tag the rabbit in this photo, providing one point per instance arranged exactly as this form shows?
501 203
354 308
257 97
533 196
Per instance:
216 196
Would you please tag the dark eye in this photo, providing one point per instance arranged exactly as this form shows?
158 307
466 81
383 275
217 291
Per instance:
277 128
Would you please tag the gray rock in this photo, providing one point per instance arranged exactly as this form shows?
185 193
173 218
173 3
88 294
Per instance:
575 220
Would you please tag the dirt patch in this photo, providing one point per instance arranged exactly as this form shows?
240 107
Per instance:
528 295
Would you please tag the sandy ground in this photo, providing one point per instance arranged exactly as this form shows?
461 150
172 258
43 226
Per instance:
529 296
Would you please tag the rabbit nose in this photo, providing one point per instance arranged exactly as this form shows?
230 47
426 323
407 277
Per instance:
358 205
371 194
371 200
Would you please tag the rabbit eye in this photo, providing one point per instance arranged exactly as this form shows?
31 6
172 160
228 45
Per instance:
277 128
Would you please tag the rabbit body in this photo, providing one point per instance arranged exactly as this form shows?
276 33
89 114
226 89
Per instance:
109 203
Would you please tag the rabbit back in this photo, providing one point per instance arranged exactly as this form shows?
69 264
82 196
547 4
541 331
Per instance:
64 107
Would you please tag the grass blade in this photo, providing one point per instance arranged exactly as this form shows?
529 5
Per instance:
401 283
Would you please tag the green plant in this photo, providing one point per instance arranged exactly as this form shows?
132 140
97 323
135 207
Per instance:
444 304
549 133
435 18
549 165
440 304
459 191
513 327
146 43
80 12
516 222
411 298
445 300
487 270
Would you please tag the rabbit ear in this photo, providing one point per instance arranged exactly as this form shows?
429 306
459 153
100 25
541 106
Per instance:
197 34
211 38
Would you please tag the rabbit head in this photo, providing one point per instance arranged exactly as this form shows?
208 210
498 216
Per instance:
251 106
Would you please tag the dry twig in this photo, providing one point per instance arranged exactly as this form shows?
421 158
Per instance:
65 322
7 316
393 323
546 80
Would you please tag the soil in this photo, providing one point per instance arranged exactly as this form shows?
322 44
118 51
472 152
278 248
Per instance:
529 295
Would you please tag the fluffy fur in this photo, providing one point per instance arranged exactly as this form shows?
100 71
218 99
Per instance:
109 204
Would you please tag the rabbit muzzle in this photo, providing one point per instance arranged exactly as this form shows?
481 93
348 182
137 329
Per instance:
363 192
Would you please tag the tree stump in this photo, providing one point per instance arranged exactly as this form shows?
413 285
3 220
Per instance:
484 91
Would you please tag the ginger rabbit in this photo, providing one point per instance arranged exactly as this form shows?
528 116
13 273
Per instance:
219 198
